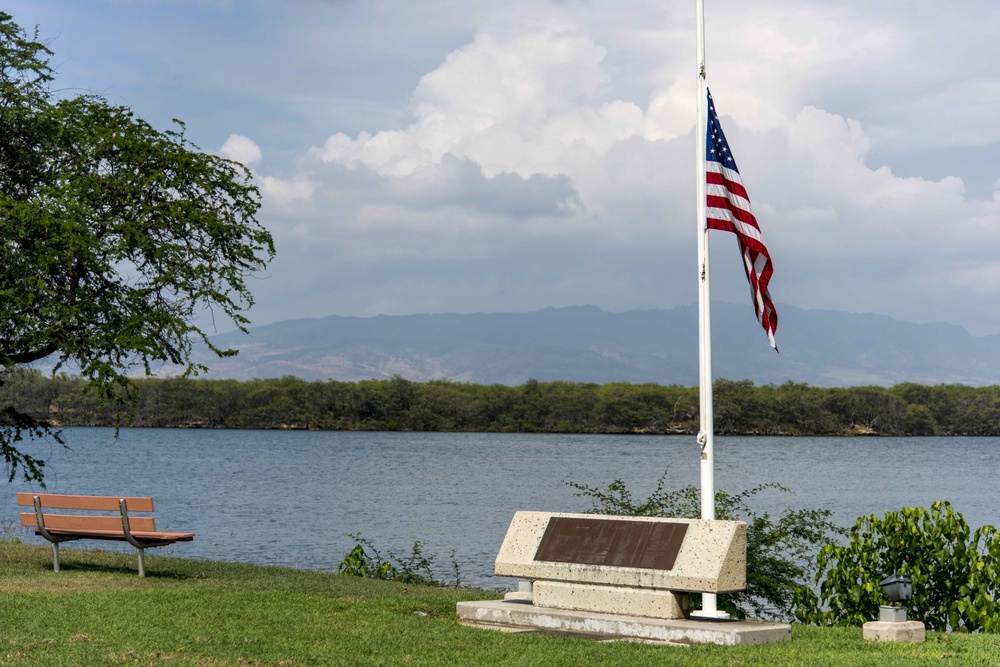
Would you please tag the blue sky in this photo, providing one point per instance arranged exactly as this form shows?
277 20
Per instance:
464 156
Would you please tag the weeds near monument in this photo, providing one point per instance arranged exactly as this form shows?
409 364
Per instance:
8 530
954 570
416 568
779 550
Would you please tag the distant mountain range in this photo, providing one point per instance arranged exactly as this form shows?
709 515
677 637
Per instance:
586 344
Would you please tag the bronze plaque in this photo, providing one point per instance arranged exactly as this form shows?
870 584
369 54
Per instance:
647 544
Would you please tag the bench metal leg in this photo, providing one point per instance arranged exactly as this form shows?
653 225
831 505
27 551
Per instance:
142 561
55 556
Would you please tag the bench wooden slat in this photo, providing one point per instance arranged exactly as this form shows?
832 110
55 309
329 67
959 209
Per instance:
85 523
141 535
108 503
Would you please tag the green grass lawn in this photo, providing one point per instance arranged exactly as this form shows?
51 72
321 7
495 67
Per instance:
97 611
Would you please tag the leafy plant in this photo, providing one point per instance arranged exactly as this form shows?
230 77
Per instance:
416 568
954 571
357 563
779 548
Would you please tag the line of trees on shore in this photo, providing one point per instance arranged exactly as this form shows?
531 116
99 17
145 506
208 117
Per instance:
554 407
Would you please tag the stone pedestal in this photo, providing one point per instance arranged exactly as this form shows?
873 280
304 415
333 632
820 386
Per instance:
907 631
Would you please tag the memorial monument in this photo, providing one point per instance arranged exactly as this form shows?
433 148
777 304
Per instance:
620 577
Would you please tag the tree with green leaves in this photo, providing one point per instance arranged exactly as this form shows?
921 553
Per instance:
117 240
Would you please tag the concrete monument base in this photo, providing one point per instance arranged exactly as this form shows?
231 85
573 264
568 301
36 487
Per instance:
522 616
907 631
612 599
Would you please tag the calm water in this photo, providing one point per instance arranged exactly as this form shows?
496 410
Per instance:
293 498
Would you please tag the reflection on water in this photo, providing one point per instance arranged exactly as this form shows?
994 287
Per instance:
293 498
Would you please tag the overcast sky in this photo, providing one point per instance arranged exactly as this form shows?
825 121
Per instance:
467 156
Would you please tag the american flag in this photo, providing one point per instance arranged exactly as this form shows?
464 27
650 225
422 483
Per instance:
728 208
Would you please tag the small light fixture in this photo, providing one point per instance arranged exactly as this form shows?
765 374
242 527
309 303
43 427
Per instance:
897 587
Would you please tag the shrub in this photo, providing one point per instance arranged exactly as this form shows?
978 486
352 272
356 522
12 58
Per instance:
417 568
954 571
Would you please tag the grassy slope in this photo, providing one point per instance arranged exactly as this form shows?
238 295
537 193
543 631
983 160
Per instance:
189 612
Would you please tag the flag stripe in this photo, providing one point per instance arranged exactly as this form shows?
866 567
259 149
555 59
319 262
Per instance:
716 174
724 193
727 208
733 220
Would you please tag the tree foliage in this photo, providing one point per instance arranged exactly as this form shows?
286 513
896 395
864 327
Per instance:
544 407
118 238
955 571
778 548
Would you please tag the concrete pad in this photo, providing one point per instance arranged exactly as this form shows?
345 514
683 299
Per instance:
908 631
519 615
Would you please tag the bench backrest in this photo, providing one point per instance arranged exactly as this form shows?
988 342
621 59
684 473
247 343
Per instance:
50 501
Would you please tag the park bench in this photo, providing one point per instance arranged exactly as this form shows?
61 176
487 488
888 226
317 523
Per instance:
139 531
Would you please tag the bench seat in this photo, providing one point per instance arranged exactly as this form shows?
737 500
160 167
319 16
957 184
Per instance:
56 527
142 536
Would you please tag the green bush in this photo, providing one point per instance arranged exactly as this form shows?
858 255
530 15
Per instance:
778 548
954 571
416 568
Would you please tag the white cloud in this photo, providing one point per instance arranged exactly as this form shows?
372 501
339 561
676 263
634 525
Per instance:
518 147
555 143
525 105
286 193
669 113
241 149
489 156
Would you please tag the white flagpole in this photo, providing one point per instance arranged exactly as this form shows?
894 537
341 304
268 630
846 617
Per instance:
706 434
